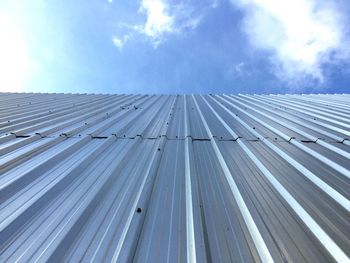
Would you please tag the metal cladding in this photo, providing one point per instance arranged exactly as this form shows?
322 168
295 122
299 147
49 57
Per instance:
161 178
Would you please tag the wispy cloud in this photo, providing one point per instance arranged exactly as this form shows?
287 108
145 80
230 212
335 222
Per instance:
164 18
159 21
239 68
301 36
118 42
215 3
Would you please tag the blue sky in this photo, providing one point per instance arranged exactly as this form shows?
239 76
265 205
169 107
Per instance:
168 46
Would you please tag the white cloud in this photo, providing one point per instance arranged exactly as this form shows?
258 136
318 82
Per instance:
118 42
301 35
164 18
158 21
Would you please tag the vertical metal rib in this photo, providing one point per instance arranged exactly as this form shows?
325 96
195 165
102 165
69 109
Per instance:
259 242
191 245
318 232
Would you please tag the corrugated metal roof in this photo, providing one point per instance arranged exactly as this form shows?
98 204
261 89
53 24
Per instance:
196 178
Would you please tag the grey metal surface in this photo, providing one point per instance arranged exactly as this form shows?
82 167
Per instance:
158 178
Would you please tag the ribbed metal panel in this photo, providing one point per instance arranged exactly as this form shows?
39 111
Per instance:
158 178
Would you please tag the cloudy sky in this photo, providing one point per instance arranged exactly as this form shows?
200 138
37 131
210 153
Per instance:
175 46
